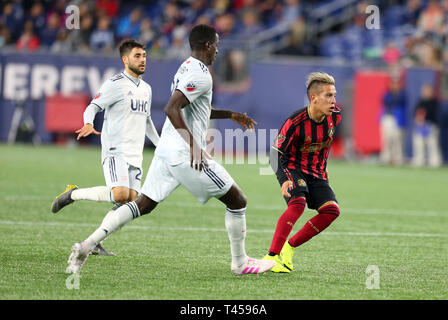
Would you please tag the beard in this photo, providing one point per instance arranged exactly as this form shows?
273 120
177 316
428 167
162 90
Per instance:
136 70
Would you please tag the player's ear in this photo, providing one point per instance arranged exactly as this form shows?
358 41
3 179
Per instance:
124 59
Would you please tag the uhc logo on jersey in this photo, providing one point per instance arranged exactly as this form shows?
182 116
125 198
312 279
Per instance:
190 86
139 105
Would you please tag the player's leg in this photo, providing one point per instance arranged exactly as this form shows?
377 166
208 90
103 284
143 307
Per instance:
434 153
124 194
215 181
324 200
296 205
235 222
418 149
116 174
115 220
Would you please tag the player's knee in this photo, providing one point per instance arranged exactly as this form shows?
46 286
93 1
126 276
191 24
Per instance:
145 205
330 207
241 200
121 195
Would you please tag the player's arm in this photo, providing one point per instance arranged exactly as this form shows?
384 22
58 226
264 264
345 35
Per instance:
241 118
151 131
173 110
279 156
89 116
278 165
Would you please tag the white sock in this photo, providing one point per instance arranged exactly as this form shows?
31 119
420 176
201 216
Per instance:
100 194
236 229
113 221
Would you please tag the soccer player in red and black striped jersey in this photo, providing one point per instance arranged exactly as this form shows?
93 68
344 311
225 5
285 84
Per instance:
299 159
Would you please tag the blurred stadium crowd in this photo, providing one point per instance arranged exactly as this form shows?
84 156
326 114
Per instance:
413 31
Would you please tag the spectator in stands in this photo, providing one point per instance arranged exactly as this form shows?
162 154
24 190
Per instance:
392 124
412 11
5 36
11 20
179 49
431 18
147 33
425 136
296 40
49 34
157 50
225 25
110 7
80 38
391 54
61 44
102 37
196 9
268 12
129 25
171 18
37 16
250 25
291 11
28 41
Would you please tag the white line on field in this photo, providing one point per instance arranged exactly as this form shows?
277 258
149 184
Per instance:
280 208
163 228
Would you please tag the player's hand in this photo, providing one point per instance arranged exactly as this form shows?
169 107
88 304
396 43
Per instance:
286 186
85 131
244 120
198 157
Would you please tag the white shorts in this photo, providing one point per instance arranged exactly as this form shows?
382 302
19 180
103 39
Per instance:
119 173
162 179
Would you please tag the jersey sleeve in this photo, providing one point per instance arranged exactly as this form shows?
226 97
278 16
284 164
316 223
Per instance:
285 137
149 100
108 95
193 85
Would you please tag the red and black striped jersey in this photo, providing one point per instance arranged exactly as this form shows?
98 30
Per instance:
304 144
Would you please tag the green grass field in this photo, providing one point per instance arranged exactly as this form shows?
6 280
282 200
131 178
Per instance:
392 218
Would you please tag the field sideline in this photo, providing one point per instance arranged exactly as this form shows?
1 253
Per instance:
391 218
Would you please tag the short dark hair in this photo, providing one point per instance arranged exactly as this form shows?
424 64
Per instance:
127 45
201 34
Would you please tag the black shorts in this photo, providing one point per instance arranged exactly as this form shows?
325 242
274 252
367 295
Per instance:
316 191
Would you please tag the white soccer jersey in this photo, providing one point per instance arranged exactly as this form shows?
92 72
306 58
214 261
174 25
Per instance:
126 102
194 80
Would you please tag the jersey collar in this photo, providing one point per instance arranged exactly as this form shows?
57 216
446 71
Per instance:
135 80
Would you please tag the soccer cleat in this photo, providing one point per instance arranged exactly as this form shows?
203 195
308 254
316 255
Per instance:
63 199
77 258
99 250
253 266
278 267
286 256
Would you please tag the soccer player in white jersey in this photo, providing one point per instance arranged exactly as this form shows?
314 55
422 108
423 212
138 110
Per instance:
126 101
180 159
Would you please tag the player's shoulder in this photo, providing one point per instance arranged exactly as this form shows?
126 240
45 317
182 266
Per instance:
116 77
299 116
196 66
113 82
